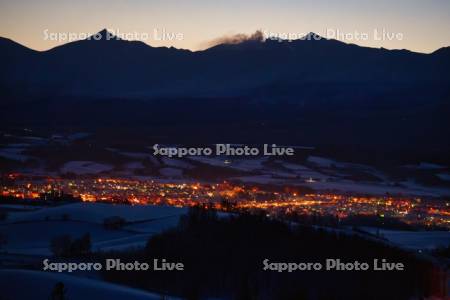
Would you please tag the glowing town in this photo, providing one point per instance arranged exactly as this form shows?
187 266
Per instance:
226 196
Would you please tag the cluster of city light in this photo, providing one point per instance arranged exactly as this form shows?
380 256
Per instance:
228 196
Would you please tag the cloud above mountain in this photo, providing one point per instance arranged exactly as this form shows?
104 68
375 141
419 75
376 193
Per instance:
257 36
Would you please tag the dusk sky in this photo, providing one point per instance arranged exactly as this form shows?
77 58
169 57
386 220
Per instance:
424 26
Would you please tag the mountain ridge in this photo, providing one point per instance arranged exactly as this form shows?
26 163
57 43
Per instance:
120 68
324 93
308 37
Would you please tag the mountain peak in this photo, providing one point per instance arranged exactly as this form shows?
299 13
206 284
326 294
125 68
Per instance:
442 51
103 31
104 35
312 36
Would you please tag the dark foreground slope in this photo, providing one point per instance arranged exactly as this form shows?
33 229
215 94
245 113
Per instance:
224 258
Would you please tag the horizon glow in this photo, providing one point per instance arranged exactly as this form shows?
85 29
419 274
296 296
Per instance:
423 25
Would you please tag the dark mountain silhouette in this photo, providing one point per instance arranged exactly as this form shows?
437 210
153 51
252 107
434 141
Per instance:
105 66
348 99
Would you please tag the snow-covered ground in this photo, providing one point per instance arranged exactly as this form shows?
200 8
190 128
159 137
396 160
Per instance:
246 165
444 176
97 212
31 232
426 166
85 167
347 186
321 174
305 172
379 188
25 284
14 152
35 237
78 136
316 172
20 207
415 240
324 174
321 161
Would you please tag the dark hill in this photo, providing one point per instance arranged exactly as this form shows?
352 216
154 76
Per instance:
344 97
111 67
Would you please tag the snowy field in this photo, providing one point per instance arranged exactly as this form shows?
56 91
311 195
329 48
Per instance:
14 152
35 237
20 207
321 174
31 232
97 212
414 240
246 165
24 284
342 185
